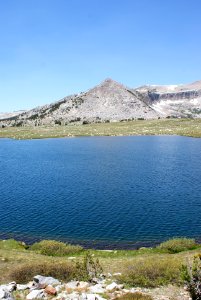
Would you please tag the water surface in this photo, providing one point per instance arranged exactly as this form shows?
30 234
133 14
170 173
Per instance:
106 192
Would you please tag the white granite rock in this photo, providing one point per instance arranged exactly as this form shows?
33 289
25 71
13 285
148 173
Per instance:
96 289
10 287
22 287
42 281
72 285
35 294
2 293
112 287
83 285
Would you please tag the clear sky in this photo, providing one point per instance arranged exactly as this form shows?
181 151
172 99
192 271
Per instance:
52 48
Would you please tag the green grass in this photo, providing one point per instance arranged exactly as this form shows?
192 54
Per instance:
147 267
11 244
183 127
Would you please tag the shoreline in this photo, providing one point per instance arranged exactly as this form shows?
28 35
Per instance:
96 245
162 127
99 136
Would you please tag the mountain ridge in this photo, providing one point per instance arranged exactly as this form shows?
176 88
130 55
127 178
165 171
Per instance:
112 101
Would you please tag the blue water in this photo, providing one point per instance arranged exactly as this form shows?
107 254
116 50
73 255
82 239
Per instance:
103 192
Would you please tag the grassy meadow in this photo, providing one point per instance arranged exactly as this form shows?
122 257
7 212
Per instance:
146 267
182 127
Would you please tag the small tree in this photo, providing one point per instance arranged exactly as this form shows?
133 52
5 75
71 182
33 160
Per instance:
88 268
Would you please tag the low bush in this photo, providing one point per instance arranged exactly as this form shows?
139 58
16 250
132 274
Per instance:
88 267
55 248
85 269
177 245
24 273
135 296
152 272
12 244
192 276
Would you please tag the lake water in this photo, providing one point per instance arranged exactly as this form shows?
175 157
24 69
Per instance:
103 192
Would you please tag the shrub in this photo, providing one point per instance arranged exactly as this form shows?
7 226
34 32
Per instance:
88 268
26 272
152 272
84 269
135 296
12 244
192 276
55 248
177 245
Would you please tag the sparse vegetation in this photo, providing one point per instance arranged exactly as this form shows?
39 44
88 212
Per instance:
85 268
152 271
183 127
135 296
177 245
25 272
147 267
192 276
88 267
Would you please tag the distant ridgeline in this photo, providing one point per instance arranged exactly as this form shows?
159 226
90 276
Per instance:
111 101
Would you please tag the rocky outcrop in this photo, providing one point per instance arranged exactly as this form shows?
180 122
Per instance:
111 101
99 289
174 101
6 291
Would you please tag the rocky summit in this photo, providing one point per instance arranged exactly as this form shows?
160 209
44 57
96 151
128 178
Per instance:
111 101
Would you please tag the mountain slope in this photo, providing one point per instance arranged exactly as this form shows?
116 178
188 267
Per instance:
111 101
174 100
10 115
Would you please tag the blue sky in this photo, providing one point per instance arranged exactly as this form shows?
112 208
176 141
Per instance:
53 48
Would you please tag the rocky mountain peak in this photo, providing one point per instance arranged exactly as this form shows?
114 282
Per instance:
112 101
110 83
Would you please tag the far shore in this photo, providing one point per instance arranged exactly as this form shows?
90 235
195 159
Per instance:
180 127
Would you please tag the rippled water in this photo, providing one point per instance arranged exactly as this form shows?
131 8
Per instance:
101 191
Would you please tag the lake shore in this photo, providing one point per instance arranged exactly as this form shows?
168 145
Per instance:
92 244
181 127
156 272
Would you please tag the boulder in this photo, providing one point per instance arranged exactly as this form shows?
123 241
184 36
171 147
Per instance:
6 289
41 282
5 295
59 287
22 287
72 285
50 290
35 294
97 289
2 294
83 285
112 287
10 287
30 284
